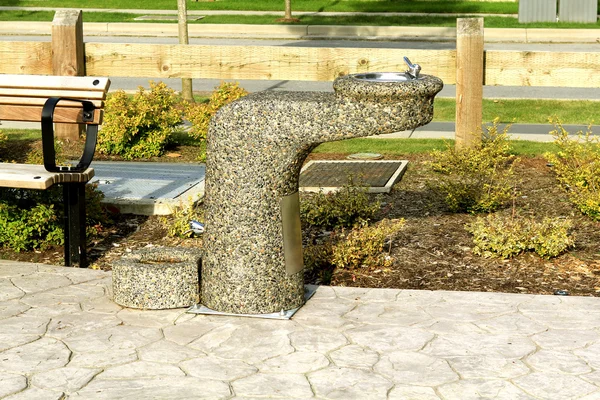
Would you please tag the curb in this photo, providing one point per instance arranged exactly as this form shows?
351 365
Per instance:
395 33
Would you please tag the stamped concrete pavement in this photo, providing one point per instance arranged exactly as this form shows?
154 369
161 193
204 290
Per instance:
61 336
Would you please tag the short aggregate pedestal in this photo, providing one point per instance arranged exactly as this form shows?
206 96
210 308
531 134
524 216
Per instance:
157 278
252 262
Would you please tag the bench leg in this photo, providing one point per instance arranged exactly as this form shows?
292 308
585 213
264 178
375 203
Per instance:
75 237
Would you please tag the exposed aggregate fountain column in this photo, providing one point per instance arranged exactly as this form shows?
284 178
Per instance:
256 148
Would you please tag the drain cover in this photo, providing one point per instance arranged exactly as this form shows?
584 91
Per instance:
379 176
365 156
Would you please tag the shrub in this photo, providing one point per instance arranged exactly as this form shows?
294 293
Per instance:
200 114
36 156
32 219
3 140
360 247
95 211
347 207
365 246
479 178
178 223
577 168
140 126
507 236
29 228
317 261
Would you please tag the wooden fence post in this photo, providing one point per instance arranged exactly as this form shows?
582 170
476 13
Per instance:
186 83
469 81
67 58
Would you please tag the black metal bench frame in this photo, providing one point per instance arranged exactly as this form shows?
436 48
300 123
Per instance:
73 192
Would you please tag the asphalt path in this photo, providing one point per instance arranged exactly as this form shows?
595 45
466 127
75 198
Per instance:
206 85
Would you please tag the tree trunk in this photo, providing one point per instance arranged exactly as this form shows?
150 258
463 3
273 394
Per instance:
288 9
186 83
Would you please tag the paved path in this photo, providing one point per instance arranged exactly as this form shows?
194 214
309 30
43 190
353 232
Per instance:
62 337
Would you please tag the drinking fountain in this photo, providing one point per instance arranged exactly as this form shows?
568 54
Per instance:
252 259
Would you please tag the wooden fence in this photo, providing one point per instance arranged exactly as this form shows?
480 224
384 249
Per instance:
157 61
501 67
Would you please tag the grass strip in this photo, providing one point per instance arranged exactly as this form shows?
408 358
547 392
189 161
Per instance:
391 147
360 20
398 147
22 134
525 111
438 6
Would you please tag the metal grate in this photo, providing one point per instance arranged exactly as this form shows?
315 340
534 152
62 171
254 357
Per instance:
378 176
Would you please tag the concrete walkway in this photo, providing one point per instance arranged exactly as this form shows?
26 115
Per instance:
62 337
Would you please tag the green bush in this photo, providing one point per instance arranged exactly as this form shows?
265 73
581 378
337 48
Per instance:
507 236
32 219
95 211
365 246
200 114
3 140
360 247
178 223
577 168
140 126
347 207
479 178
36 156
29 228
317 261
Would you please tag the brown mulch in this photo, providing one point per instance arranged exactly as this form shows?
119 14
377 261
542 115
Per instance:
433 251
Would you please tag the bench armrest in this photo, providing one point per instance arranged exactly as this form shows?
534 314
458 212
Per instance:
48 136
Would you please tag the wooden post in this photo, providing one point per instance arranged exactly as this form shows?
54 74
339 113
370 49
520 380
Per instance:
67 58
186 83
469 81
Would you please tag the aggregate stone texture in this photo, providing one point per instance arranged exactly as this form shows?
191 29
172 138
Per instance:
382 344
256 148
157 278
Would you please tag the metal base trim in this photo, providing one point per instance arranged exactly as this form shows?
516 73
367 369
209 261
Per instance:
309 291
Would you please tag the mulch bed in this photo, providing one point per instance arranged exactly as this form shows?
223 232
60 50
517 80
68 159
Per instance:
433 251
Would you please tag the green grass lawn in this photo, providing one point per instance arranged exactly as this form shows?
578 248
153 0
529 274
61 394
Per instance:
490 22
398 147
526 111
391 147
416 6
439 6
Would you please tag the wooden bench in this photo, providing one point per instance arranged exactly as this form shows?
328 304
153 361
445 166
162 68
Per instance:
50 99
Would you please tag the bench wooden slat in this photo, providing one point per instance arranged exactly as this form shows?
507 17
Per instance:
34 114
45 93
54 82
36 101
27 176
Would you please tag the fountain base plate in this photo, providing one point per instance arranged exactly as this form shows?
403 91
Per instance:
309 291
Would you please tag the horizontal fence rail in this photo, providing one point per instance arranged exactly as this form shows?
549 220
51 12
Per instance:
542 68
159 61
32 58
255 62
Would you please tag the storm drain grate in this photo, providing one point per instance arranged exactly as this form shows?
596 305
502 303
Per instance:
379 176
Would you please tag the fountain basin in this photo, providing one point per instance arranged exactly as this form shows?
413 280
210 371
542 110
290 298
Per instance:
157 278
